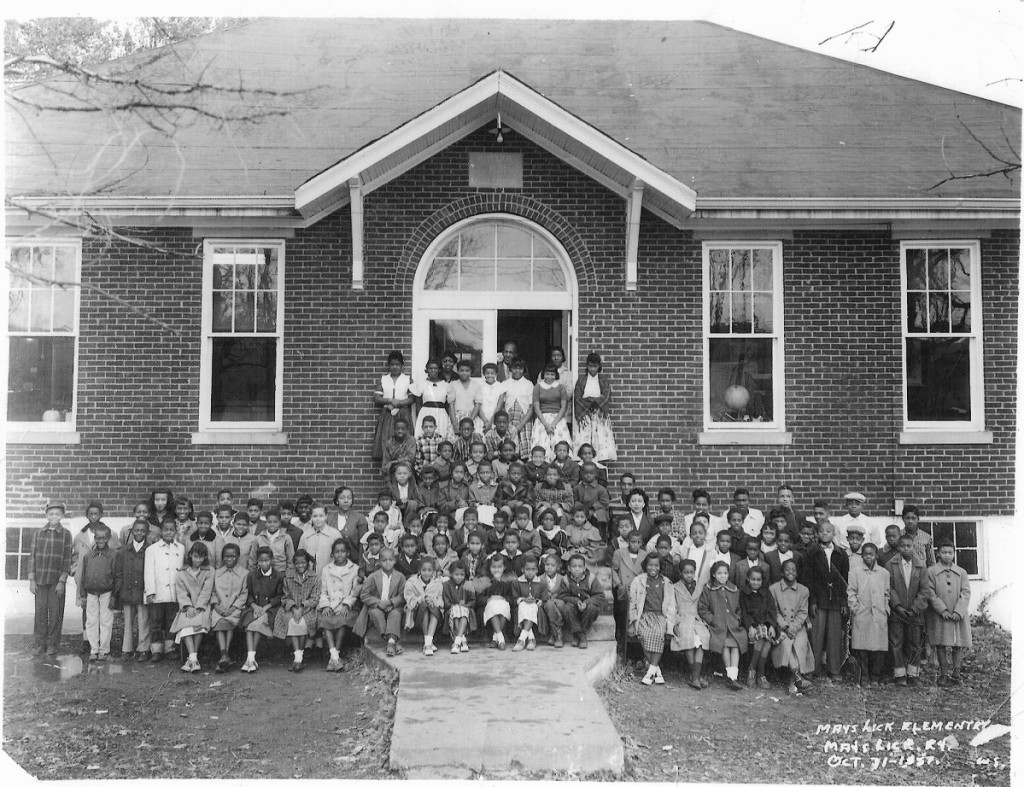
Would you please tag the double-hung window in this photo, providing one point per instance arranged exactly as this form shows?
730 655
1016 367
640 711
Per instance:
743 329
243 322
965 535
42 326
943 381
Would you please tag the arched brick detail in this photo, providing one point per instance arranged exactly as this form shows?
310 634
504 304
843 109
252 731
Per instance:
512 204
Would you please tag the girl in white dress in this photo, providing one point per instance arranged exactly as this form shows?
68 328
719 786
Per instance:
466 397
435 398
393 398
491 392
550 404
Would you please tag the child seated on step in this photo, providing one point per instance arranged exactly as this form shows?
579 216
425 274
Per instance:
553 540
588 454
497 601
529 593
475 561
456 492
554 494
584 537
584 600
369 560
408 560
553 605
719 607
568 470
442 556
652 609
514 558
423 602
758 617
536 467
230 592
383 597
529 538
266 590
459 601
689 633
502 463
339 595
514 490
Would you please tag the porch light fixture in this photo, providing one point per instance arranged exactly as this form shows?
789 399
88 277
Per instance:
500 130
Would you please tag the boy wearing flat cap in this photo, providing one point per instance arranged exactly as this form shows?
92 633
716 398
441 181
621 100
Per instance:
854 504
47 579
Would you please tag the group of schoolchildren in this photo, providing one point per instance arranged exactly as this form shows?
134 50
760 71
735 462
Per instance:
512 548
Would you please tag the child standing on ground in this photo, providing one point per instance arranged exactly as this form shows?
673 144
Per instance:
459 601
339 593
230 592
690 633
383 597
160 573
130 592
652 604
793 651
948 591
296 620
95 593
907 604
719 607
627 565
266 589
758 616
194 587
868 598
423 602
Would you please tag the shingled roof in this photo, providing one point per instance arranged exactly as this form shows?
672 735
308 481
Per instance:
729 114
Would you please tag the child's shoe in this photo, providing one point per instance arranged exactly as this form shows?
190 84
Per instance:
658 677
694 683
501 644
94 657
187 666
763 683
792 688
520 645
942 681
142 656
734 684
954 679
531 644
911 680
391 650
249 666
428 650
464 647
299 666
156 657
455 647
558 640
583 641
751 680
648 679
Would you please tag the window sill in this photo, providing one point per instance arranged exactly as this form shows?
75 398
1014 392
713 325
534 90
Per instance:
944 437
42 437
737 437
239 437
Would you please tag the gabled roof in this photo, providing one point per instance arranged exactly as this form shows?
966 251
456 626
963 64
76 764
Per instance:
730 115
498 95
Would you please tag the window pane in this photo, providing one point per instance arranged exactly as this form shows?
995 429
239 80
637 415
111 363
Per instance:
942 531
17 319
222 312
916 270
245 277
938 312
222 275
21 259
741 269
266 311
42 263
966 534
514 276
967 559
741 308
245 312
762 313
40 319
465 338
740 379
917 316
938 380
960 269
960 312
443 274
477 275
267 273
938 269
41 375
478 242
244 375
763 269
541 248
450 248
514 242
63 310
548 276
719 259
64 266
720 312
13 539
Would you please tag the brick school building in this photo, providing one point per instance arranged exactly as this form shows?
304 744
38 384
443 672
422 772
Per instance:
778 255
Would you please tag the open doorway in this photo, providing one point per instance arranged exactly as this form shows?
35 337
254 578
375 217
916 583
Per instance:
535 332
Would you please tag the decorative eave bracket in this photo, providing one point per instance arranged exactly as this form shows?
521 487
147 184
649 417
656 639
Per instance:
355 190
634 202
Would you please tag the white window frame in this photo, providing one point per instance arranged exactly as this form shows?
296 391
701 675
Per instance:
979 524
947 431
756 432
44 431
238 432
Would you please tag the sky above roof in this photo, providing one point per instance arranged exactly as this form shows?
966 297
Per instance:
972 47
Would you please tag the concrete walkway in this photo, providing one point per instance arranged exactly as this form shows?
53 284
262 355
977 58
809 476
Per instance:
496 712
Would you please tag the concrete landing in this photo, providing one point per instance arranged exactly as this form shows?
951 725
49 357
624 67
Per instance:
495 712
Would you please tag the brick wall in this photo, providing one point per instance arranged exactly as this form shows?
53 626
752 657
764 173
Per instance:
138 384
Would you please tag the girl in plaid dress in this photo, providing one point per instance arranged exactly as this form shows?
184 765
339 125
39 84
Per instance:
296 620
517 401
652 604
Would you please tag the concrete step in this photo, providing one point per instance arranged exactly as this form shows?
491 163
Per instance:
464 714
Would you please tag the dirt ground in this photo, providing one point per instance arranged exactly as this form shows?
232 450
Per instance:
674 733
154 721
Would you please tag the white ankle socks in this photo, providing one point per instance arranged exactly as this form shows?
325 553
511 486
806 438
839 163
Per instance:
732 672
335 654
298 656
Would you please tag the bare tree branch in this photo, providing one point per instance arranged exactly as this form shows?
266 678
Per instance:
1007 167
859 30
881 38
846 32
